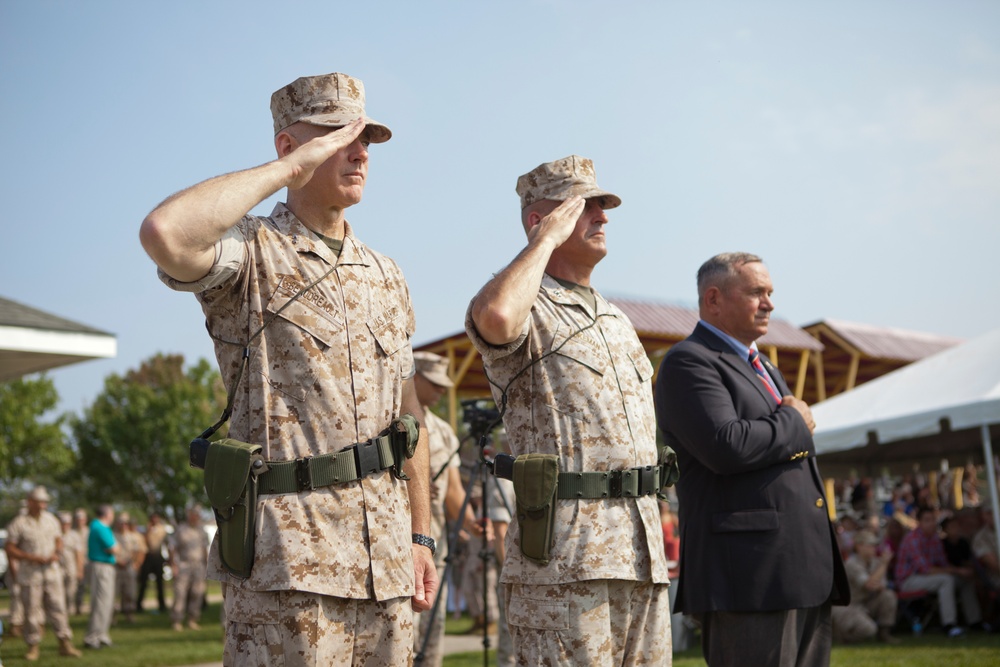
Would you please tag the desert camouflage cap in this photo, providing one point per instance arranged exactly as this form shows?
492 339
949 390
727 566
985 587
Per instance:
40 494
560 180
433 367
330 100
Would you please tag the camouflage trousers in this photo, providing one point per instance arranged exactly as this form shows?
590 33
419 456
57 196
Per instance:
44 598
70 584
189 593
126 585
599 623
862 618
296 629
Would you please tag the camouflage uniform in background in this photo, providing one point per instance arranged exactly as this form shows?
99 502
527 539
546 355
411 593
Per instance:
73 553
81 529
591 403
127 564
325 374
442 442
41 586
869 610
189 555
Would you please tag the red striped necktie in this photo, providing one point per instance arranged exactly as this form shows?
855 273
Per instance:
759 368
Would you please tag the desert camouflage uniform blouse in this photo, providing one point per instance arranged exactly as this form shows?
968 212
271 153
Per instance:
37 537
325 374
587 398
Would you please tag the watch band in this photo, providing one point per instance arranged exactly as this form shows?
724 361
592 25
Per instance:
425 541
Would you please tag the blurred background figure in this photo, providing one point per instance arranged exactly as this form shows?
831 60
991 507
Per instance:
71 558
81 527
35 541
152 563
873 605
189 563
132 552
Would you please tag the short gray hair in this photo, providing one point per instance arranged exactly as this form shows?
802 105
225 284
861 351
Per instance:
721 269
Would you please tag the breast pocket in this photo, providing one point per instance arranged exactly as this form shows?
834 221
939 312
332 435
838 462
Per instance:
581 349
305 328
643 367
577 379
389 331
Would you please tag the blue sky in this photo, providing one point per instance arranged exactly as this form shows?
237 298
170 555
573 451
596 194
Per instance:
854 145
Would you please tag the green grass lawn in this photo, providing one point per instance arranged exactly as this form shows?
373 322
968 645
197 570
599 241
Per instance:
933 650
150 642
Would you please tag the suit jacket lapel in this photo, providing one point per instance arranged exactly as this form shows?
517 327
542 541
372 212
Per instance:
729 356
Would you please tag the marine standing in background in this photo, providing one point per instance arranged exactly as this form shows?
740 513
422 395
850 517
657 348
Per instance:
71 558
188 562
35 540
81 527
129 560
447 494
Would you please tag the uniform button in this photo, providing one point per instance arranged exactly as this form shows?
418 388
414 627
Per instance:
819 502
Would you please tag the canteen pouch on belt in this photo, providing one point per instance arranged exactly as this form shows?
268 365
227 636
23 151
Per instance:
231 470
536 477
403 432
669 471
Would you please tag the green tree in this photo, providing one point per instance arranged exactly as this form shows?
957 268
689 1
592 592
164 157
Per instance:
31 450
133 440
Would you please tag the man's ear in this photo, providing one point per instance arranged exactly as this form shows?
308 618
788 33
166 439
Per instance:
285 143
712 297
533 219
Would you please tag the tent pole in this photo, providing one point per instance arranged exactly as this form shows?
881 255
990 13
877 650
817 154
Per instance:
992 477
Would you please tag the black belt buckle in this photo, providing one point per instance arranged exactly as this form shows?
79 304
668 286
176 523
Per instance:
303 474
366 454
615 484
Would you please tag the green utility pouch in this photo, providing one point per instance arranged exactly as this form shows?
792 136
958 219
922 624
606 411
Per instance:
536 478
231 471
403 434
669 470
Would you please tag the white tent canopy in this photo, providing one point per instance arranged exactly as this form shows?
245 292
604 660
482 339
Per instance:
960 384
945 405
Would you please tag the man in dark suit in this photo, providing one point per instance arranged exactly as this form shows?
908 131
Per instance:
759 561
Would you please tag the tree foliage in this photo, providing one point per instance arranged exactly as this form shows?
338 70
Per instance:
133 440
32 451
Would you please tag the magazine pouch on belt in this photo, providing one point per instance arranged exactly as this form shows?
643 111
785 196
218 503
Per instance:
536 477
231 470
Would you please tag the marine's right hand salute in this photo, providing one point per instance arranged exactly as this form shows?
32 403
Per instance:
180 234
502 306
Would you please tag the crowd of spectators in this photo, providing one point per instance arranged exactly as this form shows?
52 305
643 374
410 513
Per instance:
935 539
56 558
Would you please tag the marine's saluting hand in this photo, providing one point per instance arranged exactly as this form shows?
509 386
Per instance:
558 225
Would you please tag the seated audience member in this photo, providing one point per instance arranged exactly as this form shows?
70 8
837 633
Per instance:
894 534
921 565
873 605
957 549
846 528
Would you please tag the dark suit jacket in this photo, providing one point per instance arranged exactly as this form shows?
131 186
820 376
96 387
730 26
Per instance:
755 534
